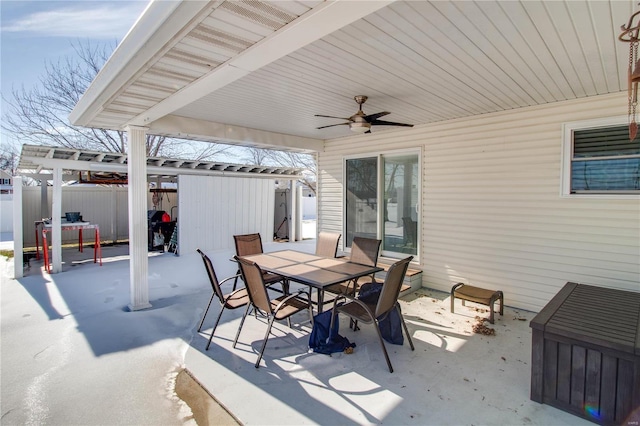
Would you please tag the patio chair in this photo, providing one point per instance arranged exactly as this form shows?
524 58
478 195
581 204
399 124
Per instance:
360 311
280 308
235 299
363 251
327 244
248 244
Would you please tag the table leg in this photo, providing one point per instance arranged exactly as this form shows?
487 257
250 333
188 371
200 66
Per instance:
80 239
45 252
37 245
97 249
320 300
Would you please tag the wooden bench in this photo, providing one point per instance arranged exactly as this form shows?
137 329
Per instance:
477 295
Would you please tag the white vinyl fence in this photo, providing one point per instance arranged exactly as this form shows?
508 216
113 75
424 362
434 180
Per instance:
105 206
6 212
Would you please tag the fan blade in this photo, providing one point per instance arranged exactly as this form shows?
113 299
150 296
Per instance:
331 125
375 116
331 116
389 123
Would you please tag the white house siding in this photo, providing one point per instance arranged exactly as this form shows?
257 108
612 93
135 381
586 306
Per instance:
492 214
215 208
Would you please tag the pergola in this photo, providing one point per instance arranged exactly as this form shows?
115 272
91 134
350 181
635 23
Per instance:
58 164
256 72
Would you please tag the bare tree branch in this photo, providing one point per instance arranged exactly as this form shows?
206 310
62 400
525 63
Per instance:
9 156
40 115
285 159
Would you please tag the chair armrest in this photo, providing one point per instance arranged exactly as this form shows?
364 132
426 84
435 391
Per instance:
352 299
230 278
292 296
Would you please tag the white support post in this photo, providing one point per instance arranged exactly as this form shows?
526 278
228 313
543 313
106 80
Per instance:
297 220
137 195
114 214
56 223
293 235
18 241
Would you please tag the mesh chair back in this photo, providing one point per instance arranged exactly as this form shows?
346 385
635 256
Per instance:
248 244
327 244
365 251
391 286
254 283
213 278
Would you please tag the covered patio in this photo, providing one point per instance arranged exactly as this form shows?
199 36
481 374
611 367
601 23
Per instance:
496 93
78 357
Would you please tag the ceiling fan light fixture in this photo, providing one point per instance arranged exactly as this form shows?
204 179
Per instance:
360 127
361 122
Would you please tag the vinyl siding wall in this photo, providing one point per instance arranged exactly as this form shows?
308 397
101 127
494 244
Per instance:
215 208
492 214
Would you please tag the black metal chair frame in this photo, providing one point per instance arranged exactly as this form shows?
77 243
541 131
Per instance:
269 278
387 301
225 299
261 302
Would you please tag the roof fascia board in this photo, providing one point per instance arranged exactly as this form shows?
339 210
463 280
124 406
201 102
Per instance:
158 24
190 128
322 20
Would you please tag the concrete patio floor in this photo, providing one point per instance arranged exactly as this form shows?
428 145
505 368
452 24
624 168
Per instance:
72 354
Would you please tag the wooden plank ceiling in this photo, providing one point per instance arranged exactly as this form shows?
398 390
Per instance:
422 61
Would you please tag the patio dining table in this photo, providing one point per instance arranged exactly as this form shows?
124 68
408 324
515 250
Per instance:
314 271
72 226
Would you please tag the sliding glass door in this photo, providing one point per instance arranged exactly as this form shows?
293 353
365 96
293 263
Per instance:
382 200
401 203
361 198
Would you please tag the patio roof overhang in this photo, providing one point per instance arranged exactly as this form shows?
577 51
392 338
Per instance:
255 73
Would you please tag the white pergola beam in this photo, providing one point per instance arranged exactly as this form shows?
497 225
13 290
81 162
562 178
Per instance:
155 170
190 128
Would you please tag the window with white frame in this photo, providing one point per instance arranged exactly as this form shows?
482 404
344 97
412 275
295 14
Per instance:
382 199
600 159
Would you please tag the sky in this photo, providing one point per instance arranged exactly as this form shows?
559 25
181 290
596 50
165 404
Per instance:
33 33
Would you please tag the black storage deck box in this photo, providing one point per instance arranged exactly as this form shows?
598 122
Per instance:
586 354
